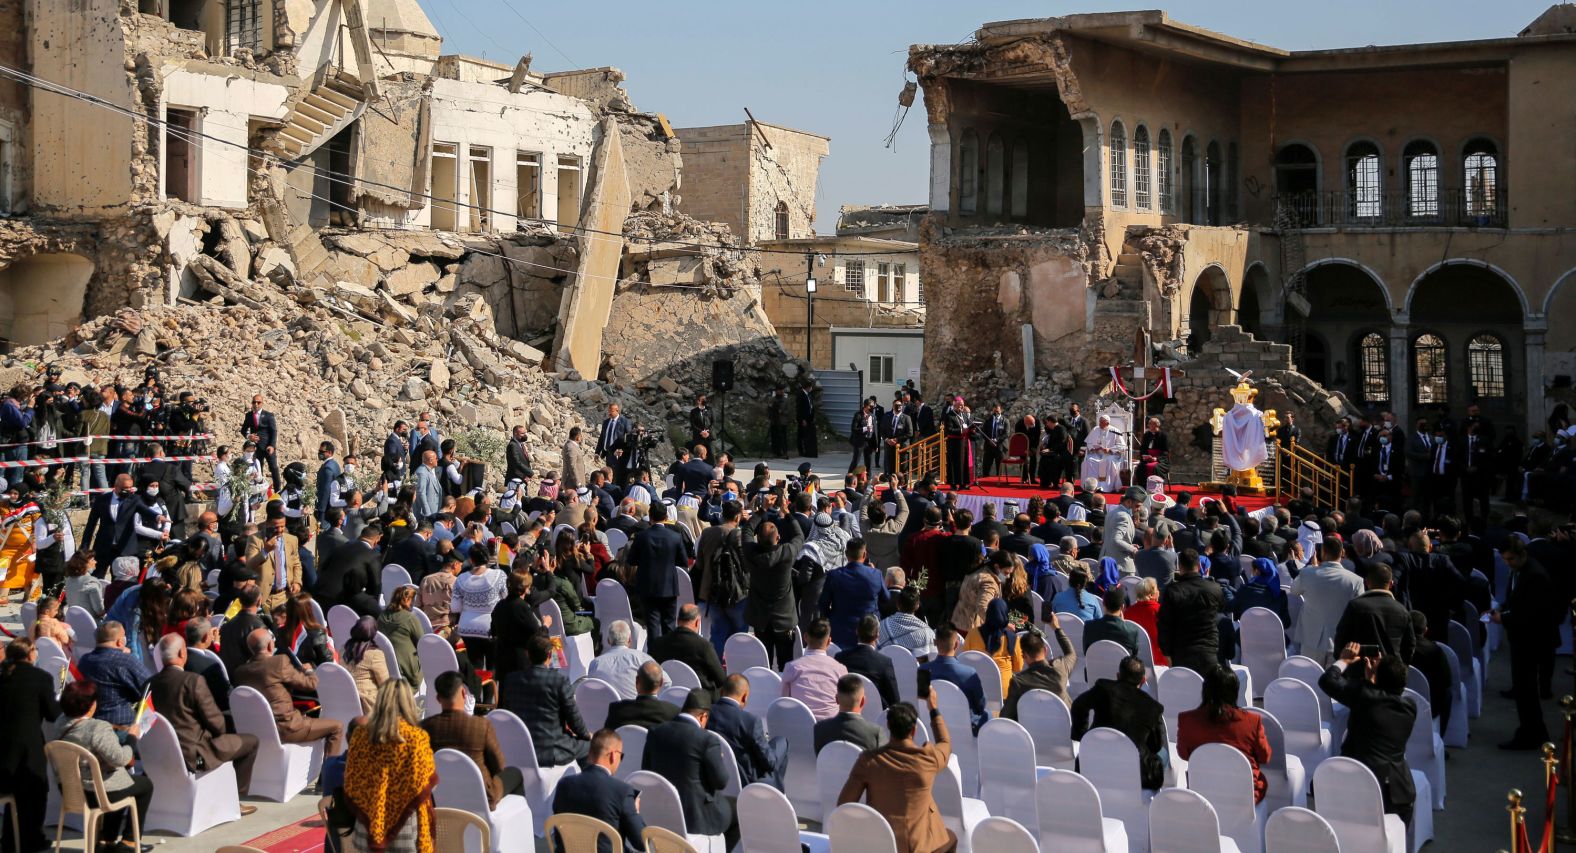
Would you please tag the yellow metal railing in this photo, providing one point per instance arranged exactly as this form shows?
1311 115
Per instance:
924 457
1298 467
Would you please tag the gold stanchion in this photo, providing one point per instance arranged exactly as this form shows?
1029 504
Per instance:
1567 834
1517 816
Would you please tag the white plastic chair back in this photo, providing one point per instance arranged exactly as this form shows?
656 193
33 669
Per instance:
1425 750
1296 705
634 738
47 645
83 625
990 677
337 695
743 651
213 658
1455 733
436 657
832 766
1298 830
1069 810
386 646
1003 835
954 707
1130 587
873 712
1286 781
1103 660
858 827
1263 639
659 802
460 786
1224 777
422 617
30 615
958 813
1008 772
188 803
765 686
594 696
1346 795
767 823
519 750
1037 601
680 674
393 577
612 603
616 540
1072 626
906 667
1461 642
791 720
55 662
281 770
1182 821
1110 762
675 694
1307 670
1050 724
1181 689
735 783
317 612
340 620
1417 682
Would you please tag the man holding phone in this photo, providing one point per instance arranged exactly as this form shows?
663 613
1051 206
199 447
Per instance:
1376 621
275 556
1374 687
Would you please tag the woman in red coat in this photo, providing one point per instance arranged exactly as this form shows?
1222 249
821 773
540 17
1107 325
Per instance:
1145 612
1217 719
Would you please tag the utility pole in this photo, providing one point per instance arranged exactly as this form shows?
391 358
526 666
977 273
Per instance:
809 307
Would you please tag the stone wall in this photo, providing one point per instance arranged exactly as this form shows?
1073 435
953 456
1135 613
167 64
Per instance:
730 176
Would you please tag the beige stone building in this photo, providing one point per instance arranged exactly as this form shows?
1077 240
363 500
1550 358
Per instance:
1404 217
760 179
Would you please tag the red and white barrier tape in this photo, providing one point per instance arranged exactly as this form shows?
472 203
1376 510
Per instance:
72 460
81 438
196 487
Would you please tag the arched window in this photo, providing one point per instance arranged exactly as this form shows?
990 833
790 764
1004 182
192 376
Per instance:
1164 168
1020 178
1118 165
1373 368
968 173
995 176
1481 178
1422 179
1141 194
1212 184
1364 182
1232 179
1297 183
1486 366
1430 376
1188 200
782 220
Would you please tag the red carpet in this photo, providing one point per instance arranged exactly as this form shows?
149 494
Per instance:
305 836
1009 487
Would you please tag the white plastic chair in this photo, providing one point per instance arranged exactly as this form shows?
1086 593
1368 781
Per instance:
687 596
743 651
990 678
1008 773
858 827
730 762
1286 782
767 824
1181 689
594 696
765 686
1072 626
1296 706
1456 731
436 657
82 624
422 617
616 540
1417 682
337 696
1110 762
519 751
681 674
340 620
1070 816
1224 776
660 806
1462 642
460 786
30 615
386 646
56 662
281 770
1346 795
1299 830
906 667
832 766
1050 724
954 707
1332 713
873 712
1425 749
958 813
1263 644
1102 660
1004 835
791 720
187 803
634 738
612 604
1182 821
393 577
674 694
1130 587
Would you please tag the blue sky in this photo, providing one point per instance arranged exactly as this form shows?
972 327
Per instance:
836 68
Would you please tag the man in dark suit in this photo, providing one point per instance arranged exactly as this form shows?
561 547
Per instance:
1388 472
1375 618
1021 540
258 426
770 608
174 486
1439 482
863 659
541 697
804 416
597 793
414 553
1531 615
1039 671
1477 472
760 759
111 524
682 752
610 443
1112 626
863 436
645 710
331 538
1122 704
1341 449
897 430
656 554
517 457
327 473
183 699
685 644
849 724
694 473
276 677
700 424
995 432
396 452
200 634
924 416
1052 530
352 574
453 727
1380 723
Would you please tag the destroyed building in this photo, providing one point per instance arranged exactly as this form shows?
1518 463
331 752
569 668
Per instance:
429 229
1395 220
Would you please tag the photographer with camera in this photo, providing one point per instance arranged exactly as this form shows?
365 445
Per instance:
1373 686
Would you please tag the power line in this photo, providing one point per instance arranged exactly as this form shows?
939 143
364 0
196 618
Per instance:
534 28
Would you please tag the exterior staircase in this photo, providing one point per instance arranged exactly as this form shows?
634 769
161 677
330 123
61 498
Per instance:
336 100
1129 273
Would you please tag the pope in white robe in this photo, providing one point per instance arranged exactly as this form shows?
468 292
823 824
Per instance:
1103 456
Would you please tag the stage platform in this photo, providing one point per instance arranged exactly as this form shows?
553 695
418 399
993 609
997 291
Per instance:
1000 490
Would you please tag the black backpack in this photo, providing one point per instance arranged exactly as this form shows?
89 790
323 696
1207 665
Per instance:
730 582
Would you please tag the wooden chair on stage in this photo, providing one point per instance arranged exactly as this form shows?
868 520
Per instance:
1017 454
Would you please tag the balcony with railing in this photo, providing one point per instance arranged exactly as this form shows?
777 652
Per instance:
1398 209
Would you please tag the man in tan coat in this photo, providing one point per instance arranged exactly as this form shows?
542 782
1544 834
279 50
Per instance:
576 467
895 780
275 676
266 552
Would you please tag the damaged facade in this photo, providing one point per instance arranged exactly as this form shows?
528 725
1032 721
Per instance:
1093 175
321 168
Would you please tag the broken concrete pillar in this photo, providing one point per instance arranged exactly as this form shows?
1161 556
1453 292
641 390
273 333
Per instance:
577 344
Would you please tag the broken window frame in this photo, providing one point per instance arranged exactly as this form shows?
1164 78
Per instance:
1143 198
1364 181
1480 177
479 211
1117 160
780 220
968 173
573 167
883 281
1420 159
1165 165
900 282
854 276
243 25
528 205
445 204
1430 369
188 137
995 176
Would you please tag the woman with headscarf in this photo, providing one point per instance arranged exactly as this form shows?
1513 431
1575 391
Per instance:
996 637
390 775
365 661
1263 589
1368 552
1110 574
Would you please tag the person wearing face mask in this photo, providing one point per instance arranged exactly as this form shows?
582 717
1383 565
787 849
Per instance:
1439 483
1342 448
1539 452
1419 447
152 524
110 523
1389 471
327 474
253 465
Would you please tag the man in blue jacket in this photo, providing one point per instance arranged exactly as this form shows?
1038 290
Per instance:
946 668
597 793
656 553
851 593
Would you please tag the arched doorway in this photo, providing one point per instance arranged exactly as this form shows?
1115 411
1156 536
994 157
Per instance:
41 298
1253 301
1346 306
1467 342
1208 306
1189 201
